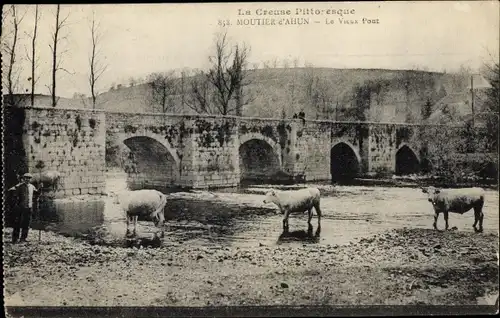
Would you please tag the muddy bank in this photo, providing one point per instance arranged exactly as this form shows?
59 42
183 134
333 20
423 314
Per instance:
410 182
405 266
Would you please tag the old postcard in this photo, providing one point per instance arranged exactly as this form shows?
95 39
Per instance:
243 159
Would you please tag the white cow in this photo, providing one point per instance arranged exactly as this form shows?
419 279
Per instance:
143 202
48 178
457 201
295 201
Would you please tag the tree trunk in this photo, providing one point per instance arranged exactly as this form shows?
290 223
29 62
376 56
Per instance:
12 58
54 59
33 56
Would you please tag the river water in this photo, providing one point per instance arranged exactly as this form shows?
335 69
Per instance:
238 217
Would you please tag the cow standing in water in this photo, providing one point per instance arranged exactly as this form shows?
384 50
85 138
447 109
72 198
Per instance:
295 201
457 201
143 202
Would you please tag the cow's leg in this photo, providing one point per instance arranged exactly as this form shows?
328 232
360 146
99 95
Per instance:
309 215
481 217
477 213
436 216
446 220
285 221
136 217
128 226
162 229
318 213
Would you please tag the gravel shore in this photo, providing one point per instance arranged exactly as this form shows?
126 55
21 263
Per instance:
404 266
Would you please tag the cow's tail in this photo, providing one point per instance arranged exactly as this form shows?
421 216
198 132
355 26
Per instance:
316 202
161 206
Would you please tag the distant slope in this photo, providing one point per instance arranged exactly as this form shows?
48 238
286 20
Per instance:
322 93
456 108
46 101
275 90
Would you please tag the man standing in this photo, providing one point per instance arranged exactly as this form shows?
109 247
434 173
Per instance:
24 201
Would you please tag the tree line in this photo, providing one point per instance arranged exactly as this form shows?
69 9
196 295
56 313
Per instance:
10 43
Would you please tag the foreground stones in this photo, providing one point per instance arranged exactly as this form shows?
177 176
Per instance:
399 267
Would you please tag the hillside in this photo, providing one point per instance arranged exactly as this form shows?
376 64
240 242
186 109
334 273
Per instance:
322 93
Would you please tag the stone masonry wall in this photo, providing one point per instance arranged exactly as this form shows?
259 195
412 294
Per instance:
71 142
271 131
382 149
174 133
314 141
312 155
199 151
215 153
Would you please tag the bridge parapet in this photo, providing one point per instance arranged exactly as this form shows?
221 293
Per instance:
206 151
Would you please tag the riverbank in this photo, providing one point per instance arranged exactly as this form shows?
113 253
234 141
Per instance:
398 267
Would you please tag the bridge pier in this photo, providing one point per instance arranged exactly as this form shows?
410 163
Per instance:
70 143
202 151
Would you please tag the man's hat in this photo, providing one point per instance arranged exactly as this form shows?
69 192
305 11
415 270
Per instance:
27 175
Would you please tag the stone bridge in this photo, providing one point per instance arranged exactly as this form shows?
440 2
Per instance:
207 151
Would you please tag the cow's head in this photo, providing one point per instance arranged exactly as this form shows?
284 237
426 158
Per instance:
431 193
270 197
158 219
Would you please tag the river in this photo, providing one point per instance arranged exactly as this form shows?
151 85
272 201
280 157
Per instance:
238 217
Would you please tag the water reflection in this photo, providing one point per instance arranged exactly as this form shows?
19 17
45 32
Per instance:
300 235
71 217
237 217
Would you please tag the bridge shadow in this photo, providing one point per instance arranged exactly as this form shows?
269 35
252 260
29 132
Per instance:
300 235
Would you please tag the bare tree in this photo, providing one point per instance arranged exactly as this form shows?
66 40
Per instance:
492 103
239 73
275 62
317 91
460 79
163 86
201 94
228 77
286 63
33 58
310 82
132 81
255 65
308 64
296 62
292 88
182 87
10 50
56 63
96 68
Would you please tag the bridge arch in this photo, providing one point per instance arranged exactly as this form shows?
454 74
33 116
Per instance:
151 162
345 162
259 158
407 160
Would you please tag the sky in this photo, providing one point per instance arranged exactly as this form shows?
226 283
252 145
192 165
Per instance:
139 39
